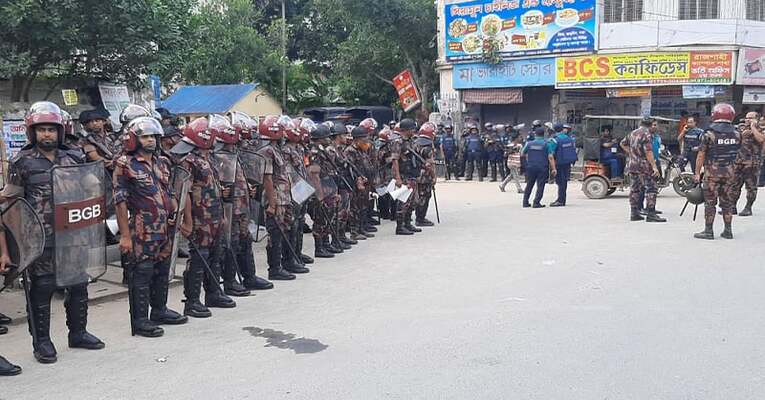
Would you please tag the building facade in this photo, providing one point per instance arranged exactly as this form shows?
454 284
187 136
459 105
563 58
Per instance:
513 61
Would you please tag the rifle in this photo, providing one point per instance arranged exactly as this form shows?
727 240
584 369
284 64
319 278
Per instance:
100 146
329 160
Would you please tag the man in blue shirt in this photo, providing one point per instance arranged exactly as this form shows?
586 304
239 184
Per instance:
609 154
564 148
539 161
690 138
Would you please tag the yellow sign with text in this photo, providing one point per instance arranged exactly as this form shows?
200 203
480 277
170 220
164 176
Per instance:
645 69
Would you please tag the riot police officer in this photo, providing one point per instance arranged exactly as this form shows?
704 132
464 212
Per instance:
30 178
539 164
449 152
690 139
565 156
717 156
748 162
473 150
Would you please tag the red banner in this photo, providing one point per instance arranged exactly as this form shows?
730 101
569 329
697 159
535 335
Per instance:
407 91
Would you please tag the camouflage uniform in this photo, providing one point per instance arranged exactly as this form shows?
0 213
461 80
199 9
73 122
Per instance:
401 149
719 170
385 204
322 207
747 168
362 186
29 177
345 189
640 170
145 188
207 217
277 224
427 177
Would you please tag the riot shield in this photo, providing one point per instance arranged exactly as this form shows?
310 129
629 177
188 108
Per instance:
79 215
328 188
25 235
253 166
181 182
300 189
226 164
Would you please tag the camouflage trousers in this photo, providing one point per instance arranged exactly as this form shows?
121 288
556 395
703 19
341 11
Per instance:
747 173
359 204
643 184
321 213
718 190
279 224
404 209
424 193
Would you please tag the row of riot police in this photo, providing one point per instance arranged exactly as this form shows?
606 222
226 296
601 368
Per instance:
211 184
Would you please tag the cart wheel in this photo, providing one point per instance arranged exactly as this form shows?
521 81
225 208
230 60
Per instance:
683 183
596 187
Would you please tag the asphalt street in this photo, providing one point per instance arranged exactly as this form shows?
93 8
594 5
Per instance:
496 302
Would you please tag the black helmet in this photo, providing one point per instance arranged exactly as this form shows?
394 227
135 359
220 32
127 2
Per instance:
338 128
695 195
536 123
359 132
647 121
322 131
408 124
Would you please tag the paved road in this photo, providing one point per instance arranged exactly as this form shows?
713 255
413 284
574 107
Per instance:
498 302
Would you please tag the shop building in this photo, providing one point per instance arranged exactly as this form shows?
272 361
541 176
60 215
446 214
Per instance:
623 57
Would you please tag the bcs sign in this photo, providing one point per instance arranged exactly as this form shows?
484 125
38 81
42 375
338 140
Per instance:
79 215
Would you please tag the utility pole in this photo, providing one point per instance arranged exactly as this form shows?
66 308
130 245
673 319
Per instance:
284 57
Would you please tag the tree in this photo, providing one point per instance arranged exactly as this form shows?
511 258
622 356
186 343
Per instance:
80 39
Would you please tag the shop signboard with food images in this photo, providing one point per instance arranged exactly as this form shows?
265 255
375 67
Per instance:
645 69
751 67
519 28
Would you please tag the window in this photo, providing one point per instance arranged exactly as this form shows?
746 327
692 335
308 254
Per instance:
623 10
755 10
698 9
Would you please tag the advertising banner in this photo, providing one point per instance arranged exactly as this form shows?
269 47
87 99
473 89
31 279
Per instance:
629 92
519 28
115 98
698 92
645 69
751 67
407 92
14 136
754 95
518 73
70 97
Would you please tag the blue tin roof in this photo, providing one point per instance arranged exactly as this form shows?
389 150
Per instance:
206 99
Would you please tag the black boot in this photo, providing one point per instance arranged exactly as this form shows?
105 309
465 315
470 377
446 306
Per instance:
306 259
231 286
747 211
708 233
76 305
39 319
140 312
319 250
293 266
401 228
214 295
247 263
651 216
192 288
330 246
635 215
728 232
234 288
160 314
274 256
8 369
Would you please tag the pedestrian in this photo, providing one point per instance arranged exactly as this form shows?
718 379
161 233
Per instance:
749 162
690 140
540 162
564 148
202 222
29 178
405 172
277 196
513 152
142 191
717 157
643 170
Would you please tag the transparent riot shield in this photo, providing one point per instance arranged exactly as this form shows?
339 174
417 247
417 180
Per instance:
25 235
181 183
300 189
226 164
253 166
79 215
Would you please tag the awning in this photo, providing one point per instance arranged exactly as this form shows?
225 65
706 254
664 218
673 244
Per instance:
492 96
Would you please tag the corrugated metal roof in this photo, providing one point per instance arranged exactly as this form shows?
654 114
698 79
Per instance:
206 99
